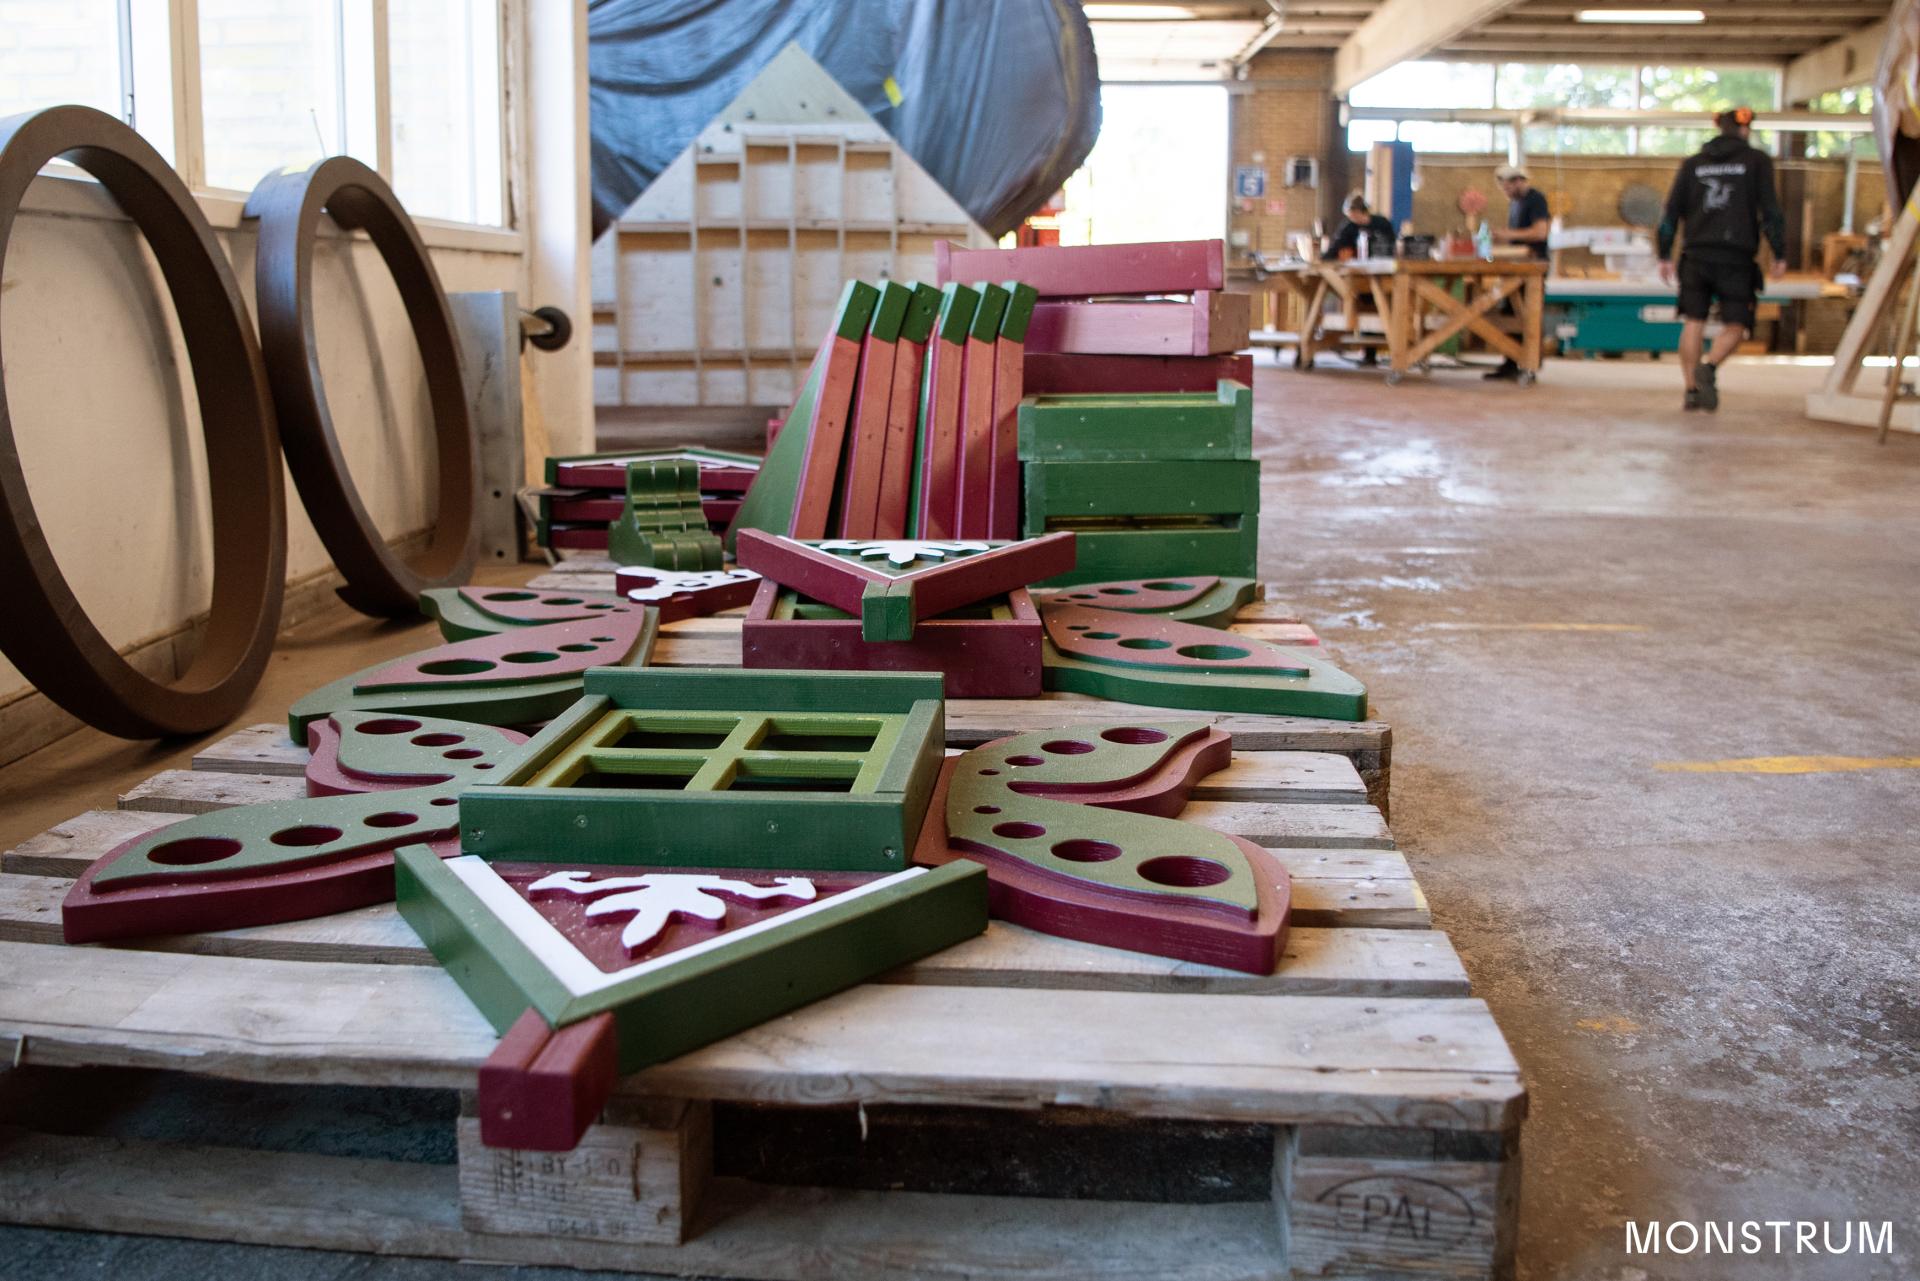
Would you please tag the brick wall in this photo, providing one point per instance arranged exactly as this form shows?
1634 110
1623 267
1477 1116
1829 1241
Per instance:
1285 108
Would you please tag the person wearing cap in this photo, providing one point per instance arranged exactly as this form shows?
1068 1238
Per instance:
1528 222
1724 196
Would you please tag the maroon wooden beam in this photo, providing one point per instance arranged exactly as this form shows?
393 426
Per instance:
1059 373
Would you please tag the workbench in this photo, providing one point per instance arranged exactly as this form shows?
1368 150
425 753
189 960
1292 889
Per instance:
1419 306
1595 316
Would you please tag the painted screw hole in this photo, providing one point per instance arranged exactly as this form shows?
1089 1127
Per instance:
437 740
1103 635
457 667
1133 735
603 640
531 656
1144 642
1213 653
445 800
1183 870
194 850
1082 850
1067 747
578 649
561 600
1019 831
989 773
391 725
306 834
391 818
1118 591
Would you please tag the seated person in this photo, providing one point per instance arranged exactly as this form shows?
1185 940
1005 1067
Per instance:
1346 244
1379 232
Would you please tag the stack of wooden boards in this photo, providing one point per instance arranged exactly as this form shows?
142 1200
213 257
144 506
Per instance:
586 493
1137 429
1153 483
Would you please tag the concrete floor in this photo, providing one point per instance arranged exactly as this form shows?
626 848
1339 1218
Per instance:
1554 594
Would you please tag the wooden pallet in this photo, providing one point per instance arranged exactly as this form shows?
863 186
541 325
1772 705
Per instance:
714 641
1386 1097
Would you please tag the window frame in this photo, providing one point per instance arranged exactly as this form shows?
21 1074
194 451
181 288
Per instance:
171 117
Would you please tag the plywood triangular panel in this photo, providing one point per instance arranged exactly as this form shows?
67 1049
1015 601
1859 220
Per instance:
714 287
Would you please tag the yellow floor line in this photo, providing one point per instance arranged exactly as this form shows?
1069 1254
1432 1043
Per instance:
1538 627
1789 764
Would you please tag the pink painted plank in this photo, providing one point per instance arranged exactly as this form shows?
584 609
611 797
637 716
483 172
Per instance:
1080 271
939 463
1056 373
896 467
973 516
1211 324
826 432
1009 374
866 446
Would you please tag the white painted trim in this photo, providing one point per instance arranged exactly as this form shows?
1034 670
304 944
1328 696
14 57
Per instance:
582 977
74 196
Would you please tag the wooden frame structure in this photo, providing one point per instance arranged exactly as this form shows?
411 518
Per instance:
1418 309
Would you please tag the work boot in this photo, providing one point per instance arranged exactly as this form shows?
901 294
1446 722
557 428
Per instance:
1709 394
1508 372
1692 402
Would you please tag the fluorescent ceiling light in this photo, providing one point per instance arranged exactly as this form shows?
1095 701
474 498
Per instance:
1137 12
1641 15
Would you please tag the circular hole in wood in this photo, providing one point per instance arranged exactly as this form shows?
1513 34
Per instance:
444 800
1067 747
1103 635
1082 850
484 765
194 850
1026 760
1133 735
1076 627
1144 642
437 740
1119 591
462 753
578 649
1169 587
530 656
1183 870
1213 653
305 834
603 640
391 818
606 605
989 773
457 666
508 596
389 725
1083 596
561 600
1019 831
986 809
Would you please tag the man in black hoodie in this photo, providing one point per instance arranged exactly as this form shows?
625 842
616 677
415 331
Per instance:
1724 194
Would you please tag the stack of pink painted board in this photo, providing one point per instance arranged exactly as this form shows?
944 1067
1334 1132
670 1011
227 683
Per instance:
907 424
1120 318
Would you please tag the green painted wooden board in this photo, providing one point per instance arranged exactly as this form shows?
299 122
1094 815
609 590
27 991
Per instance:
466 612
721 768
1139 427
664 1006
1070 491
1124 551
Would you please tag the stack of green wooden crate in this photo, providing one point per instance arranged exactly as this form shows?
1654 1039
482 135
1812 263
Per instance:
1152 483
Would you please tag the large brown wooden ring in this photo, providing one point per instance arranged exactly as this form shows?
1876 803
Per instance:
289 208
43 629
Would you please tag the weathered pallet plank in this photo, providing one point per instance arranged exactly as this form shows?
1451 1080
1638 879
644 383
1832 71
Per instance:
1319 961
1334 1060
384 1207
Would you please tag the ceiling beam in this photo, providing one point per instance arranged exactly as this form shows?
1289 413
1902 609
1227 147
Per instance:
1400 30
1849 60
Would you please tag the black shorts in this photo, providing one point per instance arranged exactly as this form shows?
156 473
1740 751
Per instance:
1734 283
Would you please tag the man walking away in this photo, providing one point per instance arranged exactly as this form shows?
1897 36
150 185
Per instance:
1529 222
1724 195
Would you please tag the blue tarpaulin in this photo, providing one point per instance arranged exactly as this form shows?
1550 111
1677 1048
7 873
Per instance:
999 100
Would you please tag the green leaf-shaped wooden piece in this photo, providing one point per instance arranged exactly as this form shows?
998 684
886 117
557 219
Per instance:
468 612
